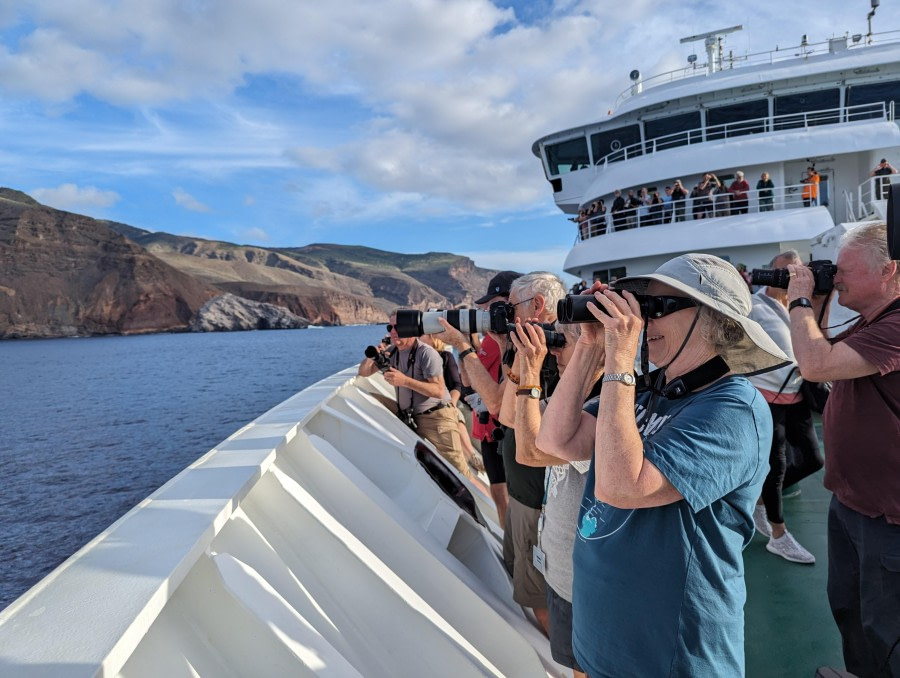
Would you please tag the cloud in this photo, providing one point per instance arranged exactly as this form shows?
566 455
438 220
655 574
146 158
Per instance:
72 197
254 234
189 202
523 261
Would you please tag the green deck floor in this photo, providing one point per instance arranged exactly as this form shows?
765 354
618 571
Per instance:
788 625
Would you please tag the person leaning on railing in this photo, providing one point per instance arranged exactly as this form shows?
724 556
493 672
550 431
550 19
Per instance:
766 193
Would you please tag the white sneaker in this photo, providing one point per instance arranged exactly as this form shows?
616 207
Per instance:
761 521
788 548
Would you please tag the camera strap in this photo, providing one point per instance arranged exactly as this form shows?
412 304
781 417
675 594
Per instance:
409 371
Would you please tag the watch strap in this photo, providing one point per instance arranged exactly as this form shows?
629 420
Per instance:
528 390
802 302
464 353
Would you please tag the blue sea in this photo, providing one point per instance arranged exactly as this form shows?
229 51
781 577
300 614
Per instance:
90 427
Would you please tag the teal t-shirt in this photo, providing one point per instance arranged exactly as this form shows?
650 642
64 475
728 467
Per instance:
660 591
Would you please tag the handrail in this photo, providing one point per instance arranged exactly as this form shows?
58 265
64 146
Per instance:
690 209
872 190
873 111
759 58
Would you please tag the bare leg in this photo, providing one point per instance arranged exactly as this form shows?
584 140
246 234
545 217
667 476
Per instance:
501 500
543 616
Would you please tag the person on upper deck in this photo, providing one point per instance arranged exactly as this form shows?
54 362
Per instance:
618 210
765 192
882 169
810 187
739 189
861 426
679 197
675 471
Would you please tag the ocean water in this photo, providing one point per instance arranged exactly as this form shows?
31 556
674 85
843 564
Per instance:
90 427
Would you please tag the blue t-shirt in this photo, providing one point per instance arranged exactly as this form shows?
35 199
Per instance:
660 591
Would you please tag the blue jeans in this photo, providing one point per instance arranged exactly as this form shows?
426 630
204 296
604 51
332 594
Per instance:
864 590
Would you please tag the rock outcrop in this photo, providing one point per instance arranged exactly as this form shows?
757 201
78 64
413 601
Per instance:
228 313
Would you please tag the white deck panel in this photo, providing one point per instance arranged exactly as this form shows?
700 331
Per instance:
309 543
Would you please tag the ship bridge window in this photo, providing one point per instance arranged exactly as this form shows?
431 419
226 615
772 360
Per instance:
808 108
874 93
675 130
617 144
567 156
746 117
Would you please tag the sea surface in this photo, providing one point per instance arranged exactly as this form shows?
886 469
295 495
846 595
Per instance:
90 427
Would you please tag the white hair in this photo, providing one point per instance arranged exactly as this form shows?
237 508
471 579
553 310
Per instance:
546 284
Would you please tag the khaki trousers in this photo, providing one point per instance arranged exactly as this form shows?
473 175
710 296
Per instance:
441 430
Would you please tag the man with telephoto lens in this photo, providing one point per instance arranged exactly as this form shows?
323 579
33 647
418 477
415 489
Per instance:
416 373
534 295
861 426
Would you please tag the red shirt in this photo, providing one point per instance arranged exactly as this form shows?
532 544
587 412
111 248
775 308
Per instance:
861 424
489 355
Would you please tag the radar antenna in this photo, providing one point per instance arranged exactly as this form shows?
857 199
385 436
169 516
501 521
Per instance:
713 44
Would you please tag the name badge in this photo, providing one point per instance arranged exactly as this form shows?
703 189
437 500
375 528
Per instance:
539 559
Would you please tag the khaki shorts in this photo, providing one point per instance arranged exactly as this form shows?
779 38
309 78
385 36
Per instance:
441 430
519 537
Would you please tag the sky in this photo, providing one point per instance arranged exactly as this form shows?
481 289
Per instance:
404 125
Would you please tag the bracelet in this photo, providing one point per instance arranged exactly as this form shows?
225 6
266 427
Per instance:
463 354
512 377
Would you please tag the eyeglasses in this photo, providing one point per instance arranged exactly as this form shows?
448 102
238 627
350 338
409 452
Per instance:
524 301
390 327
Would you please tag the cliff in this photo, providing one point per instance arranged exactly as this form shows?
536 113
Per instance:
63 274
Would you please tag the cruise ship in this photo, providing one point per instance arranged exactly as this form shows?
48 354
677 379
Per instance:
828 106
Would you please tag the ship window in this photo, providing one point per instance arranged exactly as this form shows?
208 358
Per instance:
609 275
747 117
567 156
874 93
617 144
678 130
807 108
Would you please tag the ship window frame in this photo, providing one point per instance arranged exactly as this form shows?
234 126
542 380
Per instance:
624 152
862 111
736 124
800 117
553 169
685 136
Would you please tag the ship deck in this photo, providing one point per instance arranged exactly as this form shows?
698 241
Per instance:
788 624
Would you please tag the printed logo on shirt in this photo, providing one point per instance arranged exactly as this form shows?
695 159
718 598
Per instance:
648 426
601 520
557 475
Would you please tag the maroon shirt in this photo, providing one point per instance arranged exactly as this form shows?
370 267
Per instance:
861 424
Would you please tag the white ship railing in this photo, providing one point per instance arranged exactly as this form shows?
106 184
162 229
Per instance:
722 205
741 128
730 62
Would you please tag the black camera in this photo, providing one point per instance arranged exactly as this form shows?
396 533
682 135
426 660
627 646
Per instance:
823 273
498 319
382 359
573 308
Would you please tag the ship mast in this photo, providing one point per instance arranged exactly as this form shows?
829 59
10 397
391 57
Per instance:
713 44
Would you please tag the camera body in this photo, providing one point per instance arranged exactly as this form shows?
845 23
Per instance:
823 272
382 359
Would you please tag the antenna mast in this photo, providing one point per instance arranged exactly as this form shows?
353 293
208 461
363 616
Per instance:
713 44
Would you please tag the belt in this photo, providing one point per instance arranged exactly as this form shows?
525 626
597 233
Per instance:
435 408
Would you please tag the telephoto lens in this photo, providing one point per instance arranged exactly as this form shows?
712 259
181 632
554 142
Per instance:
775 277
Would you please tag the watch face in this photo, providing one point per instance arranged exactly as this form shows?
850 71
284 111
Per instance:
535 393
628 379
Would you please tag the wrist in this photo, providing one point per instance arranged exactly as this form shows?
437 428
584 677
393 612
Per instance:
464 351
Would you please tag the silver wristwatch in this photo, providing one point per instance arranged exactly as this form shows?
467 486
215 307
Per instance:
627 378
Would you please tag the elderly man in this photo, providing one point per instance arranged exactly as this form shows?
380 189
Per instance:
416 373
532 296
861 424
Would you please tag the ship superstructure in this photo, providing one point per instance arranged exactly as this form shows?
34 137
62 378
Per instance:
829 106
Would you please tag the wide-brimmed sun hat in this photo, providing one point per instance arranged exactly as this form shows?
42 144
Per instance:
715 283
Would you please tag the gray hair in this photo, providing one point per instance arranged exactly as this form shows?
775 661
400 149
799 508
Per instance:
719 330
871 240
546 284
793 255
